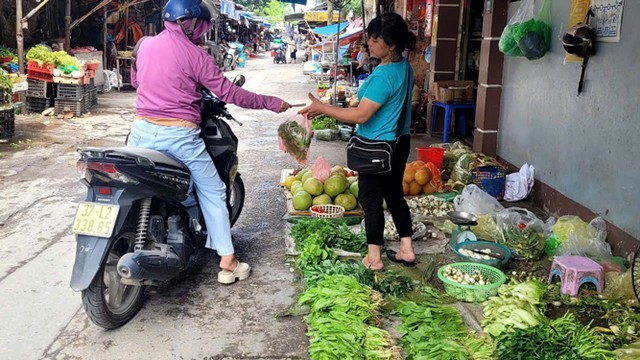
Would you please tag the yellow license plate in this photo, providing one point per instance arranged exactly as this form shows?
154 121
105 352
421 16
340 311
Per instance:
95 219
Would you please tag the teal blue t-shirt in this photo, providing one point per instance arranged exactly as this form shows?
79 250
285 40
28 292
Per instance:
387 85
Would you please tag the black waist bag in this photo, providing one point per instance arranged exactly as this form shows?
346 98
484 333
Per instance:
368 156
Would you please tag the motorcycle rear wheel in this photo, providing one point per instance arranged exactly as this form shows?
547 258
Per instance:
236 199
107 302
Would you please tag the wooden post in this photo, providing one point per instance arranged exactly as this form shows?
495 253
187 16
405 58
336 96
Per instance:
104 39
67 27
19 36
330 13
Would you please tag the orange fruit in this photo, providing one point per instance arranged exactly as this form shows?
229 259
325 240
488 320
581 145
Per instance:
417 165
409 175
414 188
405 188
429 188
422 176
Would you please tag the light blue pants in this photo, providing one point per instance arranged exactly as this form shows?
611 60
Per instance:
186 145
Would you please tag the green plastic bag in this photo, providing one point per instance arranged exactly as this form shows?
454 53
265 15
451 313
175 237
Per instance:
526 35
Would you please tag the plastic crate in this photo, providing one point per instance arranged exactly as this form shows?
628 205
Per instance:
37 104
74 106
7 123
94 97
37 71
86 103
37 88
72 91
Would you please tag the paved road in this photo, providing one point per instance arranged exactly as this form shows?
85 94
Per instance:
194 318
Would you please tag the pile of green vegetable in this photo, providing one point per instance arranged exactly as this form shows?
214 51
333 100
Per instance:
335 234
295 140
58 58
517 306
6 89
341 310
322 122
434 331
7 52
560 339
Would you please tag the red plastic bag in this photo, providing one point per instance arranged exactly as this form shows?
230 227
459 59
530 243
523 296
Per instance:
294 137
321 169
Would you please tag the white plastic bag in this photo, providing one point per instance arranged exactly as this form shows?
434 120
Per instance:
519 185
475 201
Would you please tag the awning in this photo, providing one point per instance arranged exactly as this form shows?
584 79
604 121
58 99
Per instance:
345 39
300 2
228 8
330 30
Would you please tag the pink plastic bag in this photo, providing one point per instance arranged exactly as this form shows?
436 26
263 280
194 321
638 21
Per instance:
321 169
294 137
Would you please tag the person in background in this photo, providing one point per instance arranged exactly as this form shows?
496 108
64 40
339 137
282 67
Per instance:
363 60
169 69
293 48
382 99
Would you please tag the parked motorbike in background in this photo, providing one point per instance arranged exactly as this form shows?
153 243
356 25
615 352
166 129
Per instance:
132 229
218 52
231 57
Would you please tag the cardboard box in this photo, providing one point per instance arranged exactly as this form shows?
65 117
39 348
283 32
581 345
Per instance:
453 91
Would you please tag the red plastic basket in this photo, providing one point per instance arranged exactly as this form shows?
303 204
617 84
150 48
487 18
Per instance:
40 71
433 155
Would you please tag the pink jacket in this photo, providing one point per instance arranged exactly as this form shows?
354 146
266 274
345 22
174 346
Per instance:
170 69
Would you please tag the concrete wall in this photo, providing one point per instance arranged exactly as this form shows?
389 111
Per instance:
586 147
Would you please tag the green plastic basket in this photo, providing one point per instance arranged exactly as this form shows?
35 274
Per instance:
473 293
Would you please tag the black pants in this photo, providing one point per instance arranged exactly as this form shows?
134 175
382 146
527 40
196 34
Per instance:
388 186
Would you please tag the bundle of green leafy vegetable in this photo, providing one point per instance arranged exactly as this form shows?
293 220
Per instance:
295 139
314 251
322 122
6 52
388 283
340 308
336 235
560 339
517 306
431 330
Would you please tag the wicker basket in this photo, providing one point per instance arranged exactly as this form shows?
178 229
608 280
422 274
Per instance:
473 293
327 211
491 179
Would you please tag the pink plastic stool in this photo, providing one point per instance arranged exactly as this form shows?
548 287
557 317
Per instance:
574 271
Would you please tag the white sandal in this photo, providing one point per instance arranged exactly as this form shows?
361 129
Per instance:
242 271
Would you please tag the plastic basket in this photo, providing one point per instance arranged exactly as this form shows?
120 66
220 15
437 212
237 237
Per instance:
491 179
328 211
37 104
73 106
72 91
473 293
37 88
433 155
7 123
40 71
479 245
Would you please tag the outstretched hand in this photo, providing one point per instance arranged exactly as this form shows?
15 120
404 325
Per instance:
285 106
314 109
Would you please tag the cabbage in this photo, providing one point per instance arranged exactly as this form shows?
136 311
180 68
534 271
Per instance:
517 306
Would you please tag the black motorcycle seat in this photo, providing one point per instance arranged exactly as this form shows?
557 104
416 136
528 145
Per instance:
156 157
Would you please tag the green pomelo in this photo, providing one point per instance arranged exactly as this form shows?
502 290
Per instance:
302 200
354 189
308 175
322 199
347 201
335 185
313 186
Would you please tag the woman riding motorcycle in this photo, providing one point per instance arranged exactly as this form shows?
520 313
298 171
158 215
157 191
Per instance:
169 70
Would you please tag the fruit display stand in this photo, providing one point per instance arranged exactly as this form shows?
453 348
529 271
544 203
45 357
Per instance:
289 200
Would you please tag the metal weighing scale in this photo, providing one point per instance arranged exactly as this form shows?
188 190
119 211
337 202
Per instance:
463 232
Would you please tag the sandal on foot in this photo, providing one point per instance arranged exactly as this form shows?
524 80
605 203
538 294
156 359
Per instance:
241 272
391 255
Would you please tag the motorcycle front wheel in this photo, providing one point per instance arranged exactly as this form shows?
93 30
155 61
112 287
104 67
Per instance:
107 302
236 199
227 62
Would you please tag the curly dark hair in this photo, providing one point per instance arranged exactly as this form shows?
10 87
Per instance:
393 30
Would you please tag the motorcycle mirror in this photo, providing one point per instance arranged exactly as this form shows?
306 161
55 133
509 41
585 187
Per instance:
239 80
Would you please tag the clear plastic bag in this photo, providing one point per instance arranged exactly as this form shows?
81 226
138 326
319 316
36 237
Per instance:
475 201
321 169
522 232
576 237
294 137
618 286
526 35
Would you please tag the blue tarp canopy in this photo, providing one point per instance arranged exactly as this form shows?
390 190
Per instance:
329 30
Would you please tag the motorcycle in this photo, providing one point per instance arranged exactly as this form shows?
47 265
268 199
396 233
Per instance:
231 57
280 57
218 53
132 230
